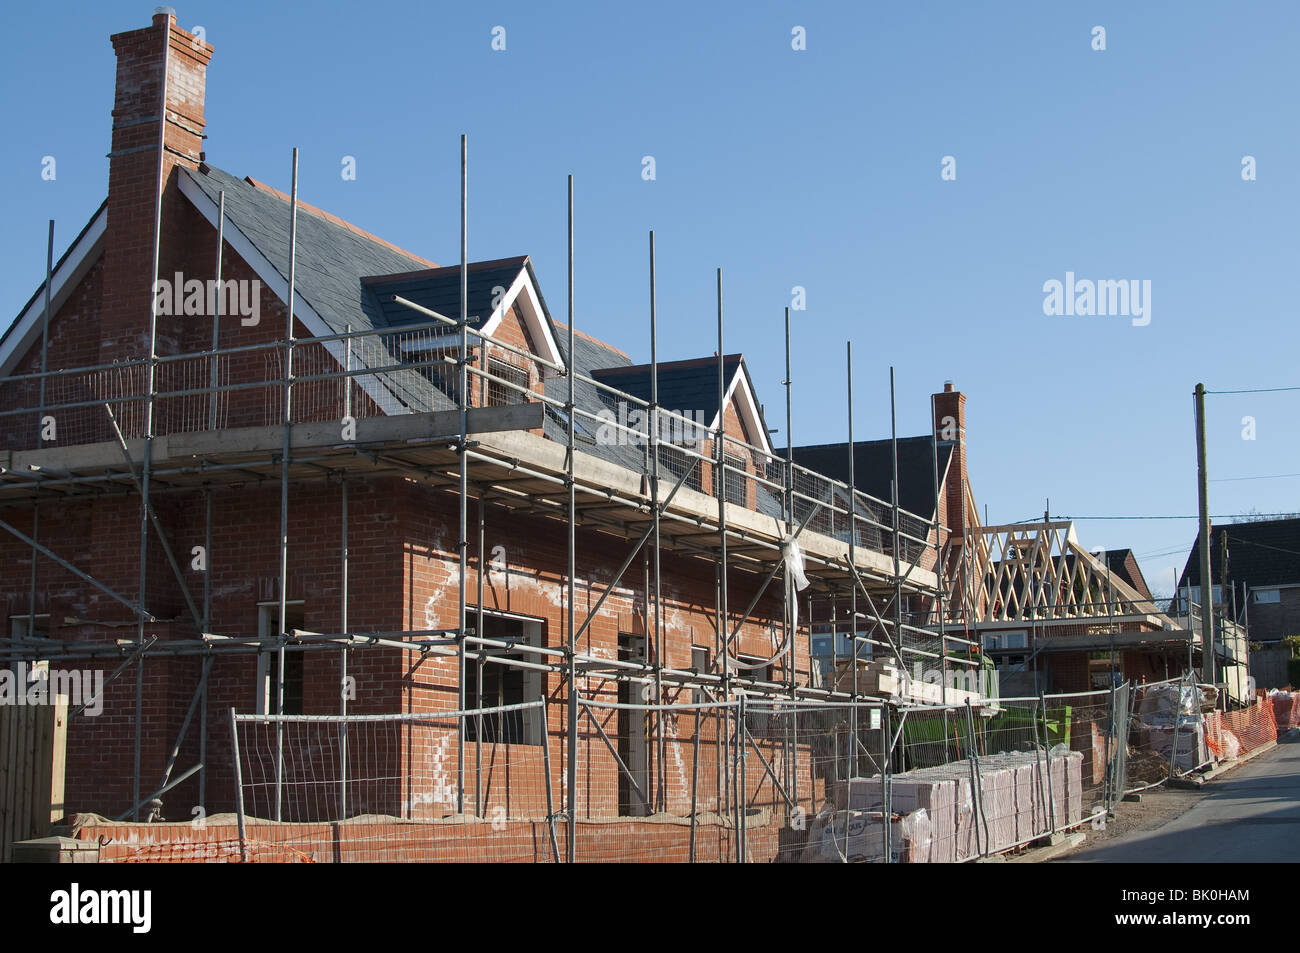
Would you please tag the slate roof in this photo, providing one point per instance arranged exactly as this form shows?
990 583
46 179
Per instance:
1261 553
588 356
331 258
873 468
686 387
438 289
348 277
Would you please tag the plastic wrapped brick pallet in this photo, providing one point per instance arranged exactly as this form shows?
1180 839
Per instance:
1053 766
997 805
966 840
1025 787
911 791
1189 736
1073 787
858 837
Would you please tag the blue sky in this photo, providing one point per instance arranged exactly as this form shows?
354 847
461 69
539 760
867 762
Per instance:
818 168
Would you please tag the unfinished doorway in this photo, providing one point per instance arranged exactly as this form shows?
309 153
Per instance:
632 732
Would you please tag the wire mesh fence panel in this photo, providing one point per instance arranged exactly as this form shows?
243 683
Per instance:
1171 731
797 765
1150 738
656 783
1082 725
389 787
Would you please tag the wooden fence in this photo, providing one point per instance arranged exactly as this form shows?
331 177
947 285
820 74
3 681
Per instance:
33 741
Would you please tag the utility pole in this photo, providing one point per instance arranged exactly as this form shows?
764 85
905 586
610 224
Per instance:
1203 502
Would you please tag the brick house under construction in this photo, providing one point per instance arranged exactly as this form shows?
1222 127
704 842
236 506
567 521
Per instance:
240 522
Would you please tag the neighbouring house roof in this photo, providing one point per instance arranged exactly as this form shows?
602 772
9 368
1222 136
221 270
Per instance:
1123 563
1260 553
873 469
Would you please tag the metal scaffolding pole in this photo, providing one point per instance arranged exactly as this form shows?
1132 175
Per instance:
654 505
478 719
719 489
790 595
45 335
853 564
893 492
213 366
213 377
207 627
787 502
343 597
40 419
462 401
285 453
343 656
571 780
150 383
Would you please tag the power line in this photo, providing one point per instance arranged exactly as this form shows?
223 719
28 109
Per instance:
1254 390
1168 552
1216 516
1251 542
1275 476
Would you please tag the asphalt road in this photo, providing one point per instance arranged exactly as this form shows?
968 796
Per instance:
1250 814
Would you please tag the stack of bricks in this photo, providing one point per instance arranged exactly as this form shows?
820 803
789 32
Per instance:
1012 807
1286 709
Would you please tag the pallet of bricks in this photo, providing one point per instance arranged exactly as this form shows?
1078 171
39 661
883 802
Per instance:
883 678
952 812
1286 709
1174 723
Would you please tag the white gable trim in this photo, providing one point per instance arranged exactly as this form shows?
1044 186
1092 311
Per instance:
26 330
539 328
272 279
747 407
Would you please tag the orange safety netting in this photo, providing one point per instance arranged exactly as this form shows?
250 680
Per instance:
1286 710
1232 734
216 851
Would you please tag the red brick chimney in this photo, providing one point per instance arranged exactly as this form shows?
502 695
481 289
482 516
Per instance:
950 425
139 113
